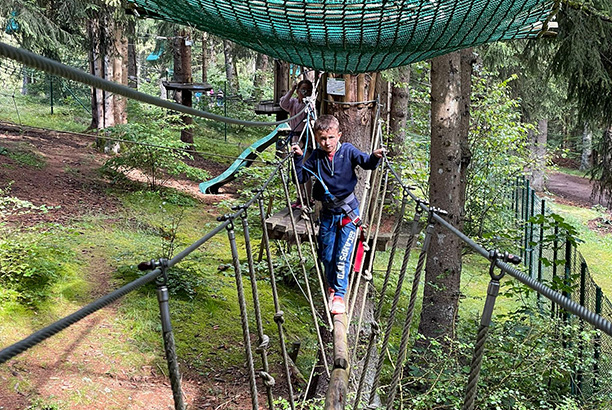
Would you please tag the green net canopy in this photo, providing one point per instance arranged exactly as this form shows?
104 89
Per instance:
355 36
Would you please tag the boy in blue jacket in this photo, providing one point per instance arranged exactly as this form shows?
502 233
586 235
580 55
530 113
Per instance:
332 165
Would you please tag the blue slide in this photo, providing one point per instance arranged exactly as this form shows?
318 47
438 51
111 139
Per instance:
244 160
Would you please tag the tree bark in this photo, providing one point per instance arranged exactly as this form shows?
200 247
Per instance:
587 150
204 57
448 159
183 74
260 78
399 110
539 155
132 65
95 67
230 73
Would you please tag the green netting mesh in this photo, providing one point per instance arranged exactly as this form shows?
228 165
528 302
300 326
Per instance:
352 36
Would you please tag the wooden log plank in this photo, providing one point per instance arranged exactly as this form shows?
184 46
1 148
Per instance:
335 399
341 352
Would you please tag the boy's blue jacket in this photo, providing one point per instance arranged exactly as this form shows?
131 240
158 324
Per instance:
339 175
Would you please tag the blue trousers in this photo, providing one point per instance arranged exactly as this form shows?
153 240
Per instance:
335 249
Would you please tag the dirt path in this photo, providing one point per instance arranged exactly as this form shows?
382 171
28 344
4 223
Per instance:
73 369
573 190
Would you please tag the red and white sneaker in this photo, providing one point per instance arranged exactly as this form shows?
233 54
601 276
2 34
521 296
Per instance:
337 306
331 292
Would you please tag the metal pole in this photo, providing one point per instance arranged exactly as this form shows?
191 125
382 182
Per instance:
51 91
597 338
554 265
169 345
225 108
541 246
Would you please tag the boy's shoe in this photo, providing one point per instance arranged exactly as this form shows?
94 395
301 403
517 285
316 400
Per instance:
337 306
296 205
331 292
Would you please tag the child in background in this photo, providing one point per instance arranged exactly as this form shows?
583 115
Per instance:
294 105
333 165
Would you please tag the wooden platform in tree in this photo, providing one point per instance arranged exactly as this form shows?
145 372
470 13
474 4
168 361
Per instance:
279 227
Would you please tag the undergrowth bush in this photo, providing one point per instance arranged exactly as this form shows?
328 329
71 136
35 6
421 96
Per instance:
28 266
156 151
530 362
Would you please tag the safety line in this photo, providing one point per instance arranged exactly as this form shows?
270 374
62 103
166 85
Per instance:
145 144
50 66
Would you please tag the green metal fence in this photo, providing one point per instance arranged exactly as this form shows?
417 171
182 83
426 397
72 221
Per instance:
570 274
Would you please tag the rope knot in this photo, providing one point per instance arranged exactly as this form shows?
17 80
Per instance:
267 379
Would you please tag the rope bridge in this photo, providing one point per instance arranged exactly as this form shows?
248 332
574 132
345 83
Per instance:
340 364
339 371
356 36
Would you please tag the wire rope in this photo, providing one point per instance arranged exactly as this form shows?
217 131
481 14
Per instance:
53 67
145 144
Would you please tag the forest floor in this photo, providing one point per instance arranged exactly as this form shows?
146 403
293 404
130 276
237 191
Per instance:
71 185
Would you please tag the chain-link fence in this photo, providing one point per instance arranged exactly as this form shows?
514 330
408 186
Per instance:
550 256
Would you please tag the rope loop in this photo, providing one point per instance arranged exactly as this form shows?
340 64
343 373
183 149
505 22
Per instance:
267 379
279 317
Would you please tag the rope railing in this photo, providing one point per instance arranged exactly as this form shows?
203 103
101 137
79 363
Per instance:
53 67
560 299
159 274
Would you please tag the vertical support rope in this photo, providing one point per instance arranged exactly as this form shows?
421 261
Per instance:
396 297
279 314
302 264
364 205
264 340
368 282
371 345
312 248
243 313
375 328
485 322
168 336
409 314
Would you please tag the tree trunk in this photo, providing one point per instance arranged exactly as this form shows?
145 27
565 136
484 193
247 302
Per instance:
120 72
204 57
587 143
230 73
399 110
260 78
183 74
382 93
108 28
602 189
448 159
132 65
95 67
539 155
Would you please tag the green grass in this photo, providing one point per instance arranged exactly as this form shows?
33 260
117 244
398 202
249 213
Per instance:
596 248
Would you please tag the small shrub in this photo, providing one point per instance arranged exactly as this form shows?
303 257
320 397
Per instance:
156 151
